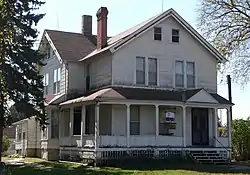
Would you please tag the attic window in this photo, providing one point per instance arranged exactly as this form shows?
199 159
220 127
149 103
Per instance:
175 36
157 33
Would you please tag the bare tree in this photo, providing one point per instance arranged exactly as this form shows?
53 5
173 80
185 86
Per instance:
226 24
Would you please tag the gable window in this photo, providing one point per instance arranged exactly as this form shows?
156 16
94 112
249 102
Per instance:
152 71
77 121
54 124
190 75
140 70
179 74
175 36
46 83
135 120
57 79
19 132
157 33
88 77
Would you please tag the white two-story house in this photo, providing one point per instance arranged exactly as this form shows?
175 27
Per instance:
151 90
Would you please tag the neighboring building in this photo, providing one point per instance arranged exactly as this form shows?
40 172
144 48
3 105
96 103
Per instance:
10 132
28 137
149 90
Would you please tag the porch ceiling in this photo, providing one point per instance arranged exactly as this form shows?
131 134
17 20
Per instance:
146 94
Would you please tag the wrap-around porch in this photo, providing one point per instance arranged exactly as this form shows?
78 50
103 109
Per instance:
133 125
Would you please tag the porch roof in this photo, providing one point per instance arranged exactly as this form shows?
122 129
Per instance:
129 93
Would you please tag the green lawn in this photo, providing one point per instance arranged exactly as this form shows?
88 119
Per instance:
56 168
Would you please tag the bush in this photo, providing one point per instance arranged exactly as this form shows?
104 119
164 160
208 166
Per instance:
14 156
6 144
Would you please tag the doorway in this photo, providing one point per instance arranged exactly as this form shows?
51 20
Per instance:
200 133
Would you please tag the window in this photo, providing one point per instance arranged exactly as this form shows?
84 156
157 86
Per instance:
175 36
54 124
157 33
45 133
77 121
152 71
190 75
179 74
90 120
46 83
19 132
140 70
66 121
167 122
24 137
57 79
135 120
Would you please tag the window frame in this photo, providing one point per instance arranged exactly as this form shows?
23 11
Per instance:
193 75
136 70
135 121
79 111
156 73
54 124
175 36
57 80
183 74
157 34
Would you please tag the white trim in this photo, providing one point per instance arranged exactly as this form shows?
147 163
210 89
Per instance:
128 125
215 126
161 18
83 123
158 71
184 125
156 120
146 71
53 46
97 113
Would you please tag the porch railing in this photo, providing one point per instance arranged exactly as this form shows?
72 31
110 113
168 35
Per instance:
223 146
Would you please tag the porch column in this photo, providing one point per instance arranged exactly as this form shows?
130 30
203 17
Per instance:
83 123
229 128
97 110
128 124
184 125
71 121
156 120
215 126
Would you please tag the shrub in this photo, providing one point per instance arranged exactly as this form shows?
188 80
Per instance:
6 144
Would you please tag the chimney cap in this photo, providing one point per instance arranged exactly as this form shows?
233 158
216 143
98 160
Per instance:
102 12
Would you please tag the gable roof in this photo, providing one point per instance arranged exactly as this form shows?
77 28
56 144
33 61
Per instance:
129 93
118 41
71 46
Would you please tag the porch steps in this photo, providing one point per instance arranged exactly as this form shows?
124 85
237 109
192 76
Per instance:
209 157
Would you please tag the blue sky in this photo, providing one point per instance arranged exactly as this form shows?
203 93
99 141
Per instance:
65 15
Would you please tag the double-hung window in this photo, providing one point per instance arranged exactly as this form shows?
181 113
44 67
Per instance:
54 124
57 79
140 70
179 74
152 71
190 75
77 121
157 33
46 83
66 121
135 120
175 36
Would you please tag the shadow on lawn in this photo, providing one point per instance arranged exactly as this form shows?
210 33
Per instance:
177 164
56 168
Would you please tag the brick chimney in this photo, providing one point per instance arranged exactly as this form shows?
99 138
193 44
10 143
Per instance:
102 16
87 25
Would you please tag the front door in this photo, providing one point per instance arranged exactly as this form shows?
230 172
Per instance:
200 127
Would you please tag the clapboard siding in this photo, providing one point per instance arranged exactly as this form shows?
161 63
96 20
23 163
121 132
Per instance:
189 49
34 134
100 70
76 76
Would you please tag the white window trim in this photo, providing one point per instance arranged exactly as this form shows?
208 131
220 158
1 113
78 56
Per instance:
57 80
146 71
171 41
158 33
185 73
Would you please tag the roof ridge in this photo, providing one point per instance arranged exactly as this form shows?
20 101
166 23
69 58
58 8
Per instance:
52 30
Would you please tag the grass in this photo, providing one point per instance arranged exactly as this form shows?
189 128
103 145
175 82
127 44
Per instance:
164 168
